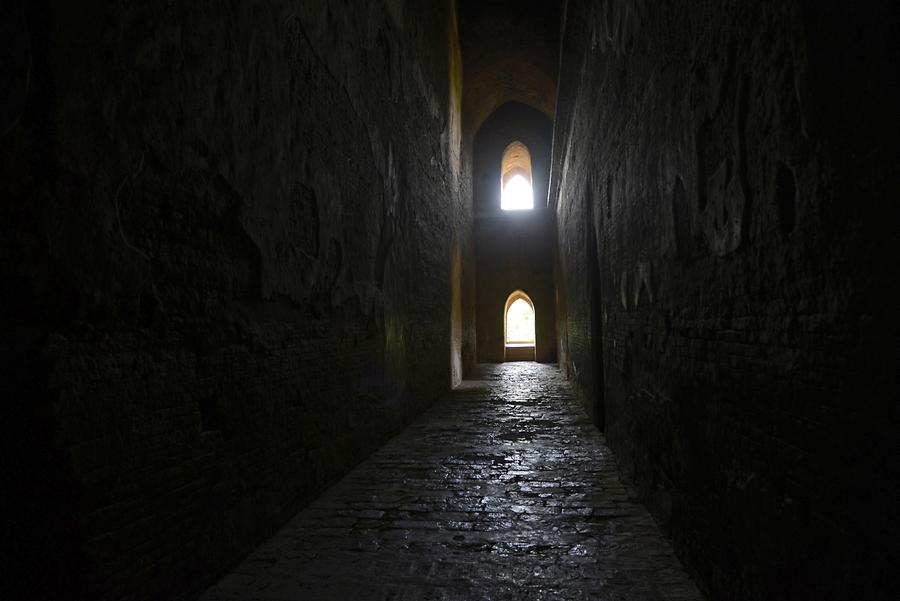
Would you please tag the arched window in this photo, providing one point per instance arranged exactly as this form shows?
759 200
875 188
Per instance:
518 327
515 178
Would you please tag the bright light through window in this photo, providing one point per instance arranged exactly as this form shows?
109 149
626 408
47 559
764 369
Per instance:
517 195
520 323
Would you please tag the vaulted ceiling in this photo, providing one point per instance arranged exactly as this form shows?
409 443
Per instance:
510 53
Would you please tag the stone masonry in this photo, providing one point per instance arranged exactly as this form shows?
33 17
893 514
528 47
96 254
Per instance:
503 491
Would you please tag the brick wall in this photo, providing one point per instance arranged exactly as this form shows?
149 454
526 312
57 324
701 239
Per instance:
514 252
736 163
226 271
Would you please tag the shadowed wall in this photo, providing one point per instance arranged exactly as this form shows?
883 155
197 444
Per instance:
732 167
226 272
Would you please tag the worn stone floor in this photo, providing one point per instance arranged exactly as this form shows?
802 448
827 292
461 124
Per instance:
501 491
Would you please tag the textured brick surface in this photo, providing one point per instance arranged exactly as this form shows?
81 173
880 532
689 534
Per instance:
502 491
725 182
227 234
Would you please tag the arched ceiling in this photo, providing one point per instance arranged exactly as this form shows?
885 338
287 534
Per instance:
516 161
510 53
503 81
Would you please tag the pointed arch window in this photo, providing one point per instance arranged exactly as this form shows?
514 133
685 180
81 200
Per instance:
518 327
515 178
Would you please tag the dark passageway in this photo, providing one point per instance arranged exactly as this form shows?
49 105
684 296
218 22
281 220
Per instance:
245 245
502 491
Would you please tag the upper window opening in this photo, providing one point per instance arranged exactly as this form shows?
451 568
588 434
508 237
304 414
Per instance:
515 178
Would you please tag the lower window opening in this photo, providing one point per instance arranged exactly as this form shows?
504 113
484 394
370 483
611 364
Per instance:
518 322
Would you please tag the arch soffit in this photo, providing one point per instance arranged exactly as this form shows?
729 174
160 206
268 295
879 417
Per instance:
516 160
504 81
516 295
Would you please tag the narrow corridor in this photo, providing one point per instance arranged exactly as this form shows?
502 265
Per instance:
503 490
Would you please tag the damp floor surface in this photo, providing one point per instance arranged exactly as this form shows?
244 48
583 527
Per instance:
503 490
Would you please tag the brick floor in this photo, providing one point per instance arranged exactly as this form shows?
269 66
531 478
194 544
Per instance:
502 491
